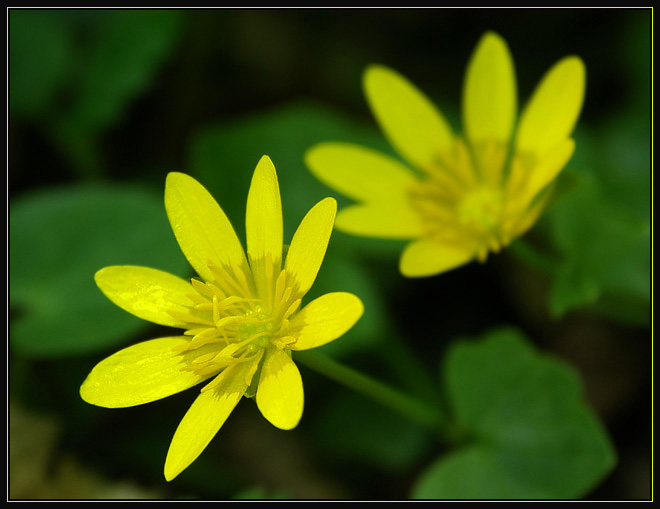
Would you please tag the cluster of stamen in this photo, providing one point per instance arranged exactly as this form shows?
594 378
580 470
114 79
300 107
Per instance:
229 322
460 202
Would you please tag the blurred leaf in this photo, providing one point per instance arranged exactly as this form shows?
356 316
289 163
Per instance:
40 60
606 254
530 434
76 72
58 240
602 230
124 53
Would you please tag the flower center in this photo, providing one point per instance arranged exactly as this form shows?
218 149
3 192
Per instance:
480 210
227 324
462 201
256 334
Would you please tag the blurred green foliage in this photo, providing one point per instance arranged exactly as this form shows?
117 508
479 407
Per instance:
75 72
59 239
605 255
104 102
527 432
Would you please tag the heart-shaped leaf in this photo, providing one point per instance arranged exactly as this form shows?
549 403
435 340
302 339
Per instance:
528 432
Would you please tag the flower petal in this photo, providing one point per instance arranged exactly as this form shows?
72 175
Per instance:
263 217
139 374
428 257
489 100
368 176
310 243
146 293
396 221
324 319
358 172
529 217
546 170
204 419
280 391
413 125
201 227
553 110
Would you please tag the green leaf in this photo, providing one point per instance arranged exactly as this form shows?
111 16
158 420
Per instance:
40 59
75 73
126 50
602 230
606 254
529 433
58 240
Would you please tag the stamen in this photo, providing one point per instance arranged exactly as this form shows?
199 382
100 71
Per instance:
463 201
227 320
284 341
188 318
204 306
292 309
240 278
232 277
196 298
202 288
280 286
205 337
216 310
203 359
229 325
194 332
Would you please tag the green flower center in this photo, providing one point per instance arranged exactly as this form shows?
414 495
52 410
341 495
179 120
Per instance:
481 210
258 333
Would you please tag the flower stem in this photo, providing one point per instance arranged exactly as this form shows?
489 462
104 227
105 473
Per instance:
428 416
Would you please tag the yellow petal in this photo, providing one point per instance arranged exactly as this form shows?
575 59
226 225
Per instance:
553 110
360 173
546 170
413 125
263 217
489 100
310 243
147 293
379 181
376 179
395 221
280 391
203 420
139 374
529 217
324 319
201 227
428 257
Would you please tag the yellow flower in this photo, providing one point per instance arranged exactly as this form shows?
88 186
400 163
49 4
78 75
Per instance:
467 195
241 319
